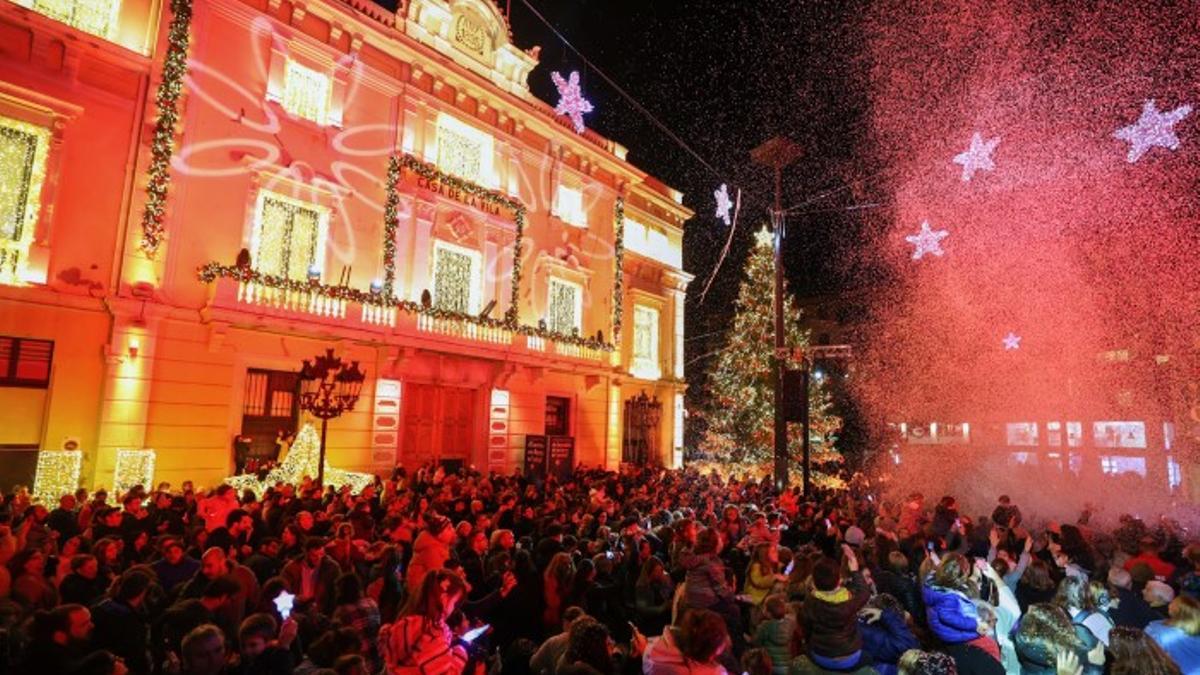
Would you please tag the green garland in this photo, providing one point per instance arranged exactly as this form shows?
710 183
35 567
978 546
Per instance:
619 271
391 220
162 146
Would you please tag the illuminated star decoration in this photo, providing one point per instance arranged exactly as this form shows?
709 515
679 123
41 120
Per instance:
570 100
927 241
764 237
978 157
723 203
284 602
1012 341
1152 129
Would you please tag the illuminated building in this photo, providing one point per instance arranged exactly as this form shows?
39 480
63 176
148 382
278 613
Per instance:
376 167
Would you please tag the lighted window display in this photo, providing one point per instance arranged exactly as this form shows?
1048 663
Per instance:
288 236
1119 434
569 206
23 150
1022 433
1115 465
565 307
456 278
466 152
645 343
98 17
306 92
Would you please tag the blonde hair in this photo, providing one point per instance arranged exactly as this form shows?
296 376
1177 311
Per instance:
1185 615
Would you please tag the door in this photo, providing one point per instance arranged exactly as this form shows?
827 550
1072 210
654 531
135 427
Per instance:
270 405
439 424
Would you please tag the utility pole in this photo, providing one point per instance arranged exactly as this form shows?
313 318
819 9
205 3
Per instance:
776 154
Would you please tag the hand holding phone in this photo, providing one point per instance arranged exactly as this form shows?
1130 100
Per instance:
474 633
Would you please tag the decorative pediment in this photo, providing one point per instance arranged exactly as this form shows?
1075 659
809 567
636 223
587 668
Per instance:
475 34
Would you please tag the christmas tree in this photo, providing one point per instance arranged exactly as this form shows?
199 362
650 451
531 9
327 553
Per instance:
741 403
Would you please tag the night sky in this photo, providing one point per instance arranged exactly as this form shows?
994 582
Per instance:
726 76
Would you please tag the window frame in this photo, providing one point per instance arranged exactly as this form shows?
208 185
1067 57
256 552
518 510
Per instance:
110 30
323 216
475 291
489 176
649 368
577 217
578 308
32 209
325 115
10 379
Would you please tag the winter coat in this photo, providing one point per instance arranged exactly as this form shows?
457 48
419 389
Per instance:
904 588
830 620
951 616
775 635
705 581
429 553
888 638
124 631
663 657
1183 648
415 642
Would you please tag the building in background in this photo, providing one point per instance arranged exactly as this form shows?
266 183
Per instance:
340 176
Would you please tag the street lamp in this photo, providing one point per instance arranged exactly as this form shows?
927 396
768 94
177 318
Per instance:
328 388
776 154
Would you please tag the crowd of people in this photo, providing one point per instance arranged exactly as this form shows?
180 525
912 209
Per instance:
651 571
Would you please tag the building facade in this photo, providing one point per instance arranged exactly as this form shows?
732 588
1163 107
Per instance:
197 197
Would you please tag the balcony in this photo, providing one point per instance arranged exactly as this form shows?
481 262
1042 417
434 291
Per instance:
237 300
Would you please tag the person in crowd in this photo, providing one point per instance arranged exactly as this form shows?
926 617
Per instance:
918 662
421 638
1045 632
264 646
829 614
202 651
83 585
1148 553
1131 609
885 633
122 621
1179 635
1134 652
546 659
694 647
313 578
175 567
58 640
654 596
776 632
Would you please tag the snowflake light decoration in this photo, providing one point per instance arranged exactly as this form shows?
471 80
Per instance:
570 100
723 203
1012 341
927 241
283 603
978 157
1153 129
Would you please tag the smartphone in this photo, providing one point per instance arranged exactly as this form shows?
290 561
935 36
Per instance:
470 635
608 554
929 545
791 564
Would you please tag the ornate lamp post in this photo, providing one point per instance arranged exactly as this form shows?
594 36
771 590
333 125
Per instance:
328 388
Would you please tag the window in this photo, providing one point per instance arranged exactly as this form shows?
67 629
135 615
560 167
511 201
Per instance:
1174 474
270 405
456 278
1022 433
98 17
25 362
23 150
466 152
645 362
1116 465
565 307
1119 434
652 243
558 416
289 236
306 92
569 206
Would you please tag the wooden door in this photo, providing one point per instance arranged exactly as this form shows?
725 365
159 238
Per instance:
458 423
417 440
438 423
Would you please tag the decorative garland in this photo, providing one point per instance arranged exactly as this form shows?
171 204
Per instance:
391 220
162 146
386 298
619 271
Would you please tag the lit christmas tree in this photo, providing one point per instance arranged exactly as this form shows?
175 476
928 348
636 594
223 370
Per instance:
741 405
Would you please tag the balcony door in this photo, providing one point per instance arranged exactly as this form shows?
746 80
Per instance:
439 424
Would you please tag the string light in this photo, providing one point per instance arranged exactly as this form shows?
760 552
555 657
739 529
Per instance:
306 92
162 145
57 474
391 221
23 152
134 467
570 99
618 268
458 154
452 280
98 17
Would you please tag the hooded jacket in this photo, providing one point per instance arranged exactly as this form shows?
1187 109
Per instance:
952 616
830 619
